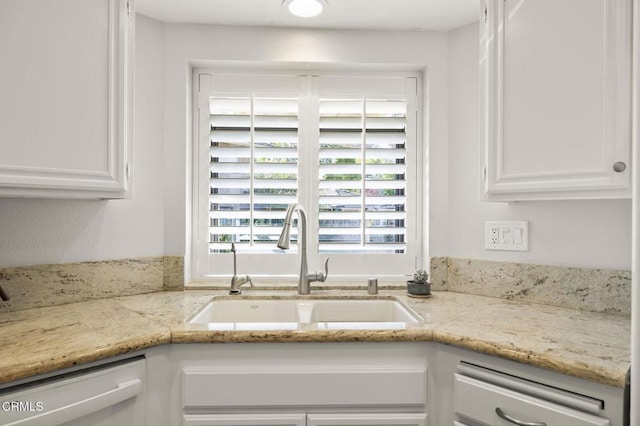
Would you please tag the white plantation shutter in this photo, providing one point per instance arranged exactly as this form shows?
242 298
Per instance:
253 170
362 175
344 147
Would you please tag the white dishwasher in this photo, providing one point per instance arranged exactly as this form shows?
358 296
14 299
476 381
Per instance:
112 394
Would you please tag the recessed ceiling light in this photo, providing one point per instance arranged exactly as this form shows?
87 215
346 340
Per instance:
305 8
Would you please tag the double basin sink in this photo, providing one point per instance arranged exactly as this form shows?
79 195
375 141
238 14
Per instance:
293 313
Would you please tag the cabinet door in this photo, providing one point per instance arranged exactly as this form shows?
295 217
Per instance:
399 419
555 95
66 103
245 419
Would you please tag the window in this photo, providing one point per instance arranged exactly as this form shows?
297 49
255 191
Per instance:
344 147
362 176
253 170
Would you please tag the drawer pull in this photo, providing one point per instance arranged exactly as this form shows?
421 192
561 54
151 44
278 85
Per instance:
510 419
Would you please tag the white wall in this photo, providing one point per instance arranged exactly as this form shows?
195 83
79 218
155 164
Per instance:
571 233
186 45
37 231
156 220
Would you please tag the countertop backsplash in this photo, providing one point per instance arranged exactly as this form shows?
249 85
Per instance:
58 284
598 290
590 289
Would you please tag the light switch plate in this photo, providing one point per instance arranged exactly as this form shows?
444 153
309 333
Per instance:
506 235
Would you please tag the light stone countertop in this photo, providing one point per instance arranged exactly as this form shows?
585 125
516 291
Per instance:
592 346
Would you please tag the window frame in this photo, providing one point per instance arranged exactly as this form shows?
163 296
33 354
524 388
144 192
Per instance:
343 267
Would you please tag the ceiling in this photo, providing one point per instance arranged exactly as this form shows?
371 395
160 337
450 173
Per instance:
416 15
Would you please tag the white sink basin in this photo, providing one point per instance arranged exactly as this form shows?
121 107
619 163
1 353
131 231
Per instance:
247 310
375 310
257 313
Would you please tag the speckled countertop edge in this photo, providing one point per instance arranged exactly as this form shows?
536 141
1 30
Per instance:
592 346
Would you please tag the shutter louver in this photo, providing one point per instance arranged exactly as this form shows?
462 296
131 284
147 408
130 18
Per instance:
362 175
253 170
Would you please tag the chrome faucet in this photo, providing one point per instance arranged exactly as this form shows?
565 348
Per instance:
236 281
305 278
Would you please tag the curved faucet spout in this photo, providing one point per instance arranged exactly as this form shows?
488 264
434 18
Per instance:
305 278
285 235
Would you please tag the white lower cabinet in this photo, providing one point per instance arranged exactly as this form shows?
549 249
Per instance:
302 419
301 385
364 384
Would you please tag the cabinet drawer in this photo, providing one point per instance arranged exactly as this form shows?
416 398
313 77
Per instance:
480 401
328 386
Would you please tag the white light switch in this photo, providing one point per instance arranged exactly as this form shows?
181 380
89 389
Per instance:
517 235
506 235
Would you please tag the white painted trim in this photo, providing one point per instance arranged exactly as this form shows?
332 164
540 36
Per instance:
277 264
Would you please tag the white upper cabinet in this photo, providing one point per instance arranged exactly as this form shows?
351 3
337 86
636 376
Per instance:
555 99
66 103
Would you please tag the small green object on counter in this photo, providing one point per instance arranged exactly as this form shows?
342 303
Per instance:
419 285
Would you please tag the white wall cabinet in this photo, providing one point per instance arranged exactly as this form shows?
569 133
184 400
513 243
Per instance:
555 99
67 98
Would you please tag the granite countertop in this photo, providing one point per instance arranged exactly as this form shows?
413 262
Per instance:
592 346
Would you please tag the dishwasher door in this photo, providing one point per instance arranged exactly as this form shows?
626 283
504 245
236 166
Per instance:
102 396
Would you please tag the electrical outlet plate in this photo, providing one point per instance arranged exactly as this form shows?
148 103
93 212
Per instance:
506 235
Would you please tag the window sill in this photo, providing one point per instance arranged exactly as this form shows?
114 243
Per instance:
290 282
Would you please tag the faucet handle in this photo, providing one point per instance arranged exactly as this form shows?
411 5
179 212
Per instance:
238 282
326 270
248 280
321 275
